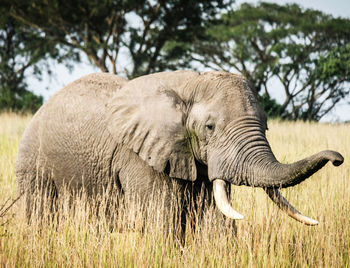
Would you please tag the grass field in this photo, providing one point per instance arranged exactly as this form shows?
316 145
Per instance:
266 237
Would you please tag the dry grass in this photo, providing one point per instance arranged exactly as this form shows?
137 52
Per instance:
266 238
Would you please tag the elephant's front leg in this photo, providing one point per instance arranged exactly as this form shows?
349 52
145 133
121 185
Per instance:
153 201
203 213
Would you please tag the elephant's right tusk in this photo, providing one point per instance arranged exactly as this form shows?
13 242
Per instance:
222 202
283 204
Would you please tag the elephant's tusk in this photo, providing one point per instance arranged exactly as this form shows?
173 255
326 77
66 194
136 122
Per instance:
283 204
222 202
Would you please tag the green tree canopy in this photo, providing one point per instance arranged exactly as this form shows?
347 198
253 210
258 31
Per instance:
305 51
21 54
106 29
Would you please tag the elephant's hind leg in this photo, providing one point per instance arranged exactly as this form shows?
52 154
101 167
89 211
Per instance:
40 197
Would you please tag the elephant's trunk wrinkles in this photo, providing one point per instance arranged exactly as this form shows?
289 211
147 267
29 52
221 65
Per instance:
275 174
248 160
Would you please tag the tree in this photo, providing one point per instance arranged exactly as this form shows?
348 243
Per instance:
20 54
305 51
106 29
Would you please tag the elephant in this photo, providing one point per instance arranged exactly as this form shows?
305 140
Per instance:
184 128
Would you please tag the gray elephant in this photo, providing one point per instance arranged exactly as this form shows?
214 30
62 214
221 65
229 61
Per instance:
182 128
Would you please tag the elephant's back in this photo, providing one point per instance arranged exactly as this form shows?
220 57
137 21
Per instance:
80 102
100 86
67 136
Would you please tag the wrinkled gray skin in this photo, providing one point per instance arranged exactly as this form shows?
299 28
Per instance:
181 128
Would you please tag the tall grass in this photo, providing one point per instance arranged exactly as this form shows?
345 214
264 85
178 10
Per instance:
82 237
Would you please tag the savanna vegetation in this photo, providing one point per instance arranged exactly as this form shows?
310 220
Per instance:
80 237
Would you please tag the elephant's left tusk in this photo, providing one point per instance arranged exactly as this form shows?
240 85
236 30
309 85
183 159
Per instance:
222 202
283 204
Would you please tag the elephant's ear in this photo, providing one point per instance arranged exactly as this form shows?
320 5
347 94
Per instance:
149 118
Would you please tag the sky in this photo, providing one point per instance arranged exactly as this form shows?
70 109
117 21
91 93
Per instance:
338 8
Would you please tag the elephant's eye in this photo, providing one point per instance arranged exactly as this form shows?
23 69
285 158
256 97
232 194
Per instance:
209 126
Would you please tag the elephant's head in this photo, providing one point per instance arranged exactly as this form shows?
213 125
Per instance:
173 119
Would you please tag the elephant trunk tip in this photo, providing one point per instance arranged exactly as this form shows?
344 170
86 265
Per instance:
336 158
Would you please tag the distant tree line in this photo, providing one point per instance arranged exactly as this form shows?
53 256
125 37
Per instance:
306 52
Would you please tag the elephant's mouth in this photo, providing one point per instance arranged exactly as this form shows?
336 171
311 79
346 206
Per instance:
222 202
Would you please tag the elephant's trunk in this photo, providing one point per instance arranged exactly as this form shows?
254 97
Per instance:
275 174
244 157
